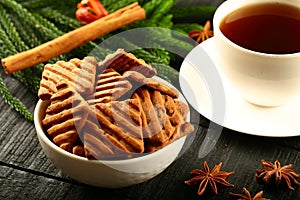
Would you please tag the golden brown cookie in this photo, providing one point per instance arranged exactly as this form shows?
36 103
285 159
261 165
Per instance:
162 118
65 116
122 61
162 87
78 73
97 145
121 123
139 79
110 86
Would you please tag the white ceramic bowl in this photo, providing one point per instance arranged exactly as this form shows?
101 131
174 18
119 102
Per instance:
108 174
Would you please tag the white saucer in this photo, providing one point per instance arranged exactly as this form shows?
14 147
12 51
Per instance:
209 93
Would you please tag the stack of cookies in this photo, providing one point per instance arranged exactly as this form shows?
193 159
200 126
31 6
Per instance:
110 110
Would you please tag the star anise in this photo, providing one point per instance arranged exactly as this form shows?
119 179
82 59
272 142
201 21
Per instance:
247 196
277 175
202 35
213 180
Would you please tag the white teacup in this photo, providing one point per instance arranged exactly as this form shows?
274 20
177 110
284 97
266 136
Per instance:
261 78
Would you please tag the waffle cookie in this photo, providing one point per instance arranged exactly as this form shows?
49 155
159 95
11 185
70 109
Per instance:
110 86
122 61
78 73
139 80
65 117
114 130
162 118
122 122
97 145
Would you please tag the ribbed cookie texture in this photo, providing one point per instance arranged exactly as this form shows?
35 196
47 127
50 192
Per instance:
65 117
122 61
120 128
76 72
112 109
163 118
110 85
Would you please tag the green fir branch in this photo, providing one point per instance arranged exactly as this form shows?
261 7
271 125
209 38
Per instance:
26 32
6 47
14 102
41 31
26 77
12 33
161 11
65 23
151 6
187 27
67 7
166 21
113 5
11 30
55 32
193 14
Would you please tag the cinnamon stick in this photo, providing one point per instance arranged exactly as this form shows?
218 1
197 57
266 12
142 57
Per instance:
74 39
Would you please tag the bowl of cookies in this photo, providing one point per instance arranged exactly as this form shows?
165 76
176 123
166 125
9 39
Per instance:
112 123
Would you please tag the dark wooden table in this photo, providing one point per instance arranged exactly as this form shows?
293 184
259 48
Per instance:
26 173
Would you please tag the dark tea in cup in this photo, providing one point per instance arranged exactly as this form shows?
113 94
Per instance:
257 45
272 28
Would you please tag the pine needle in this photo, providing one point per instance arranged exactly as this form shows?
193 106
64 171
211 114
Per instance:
14 102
